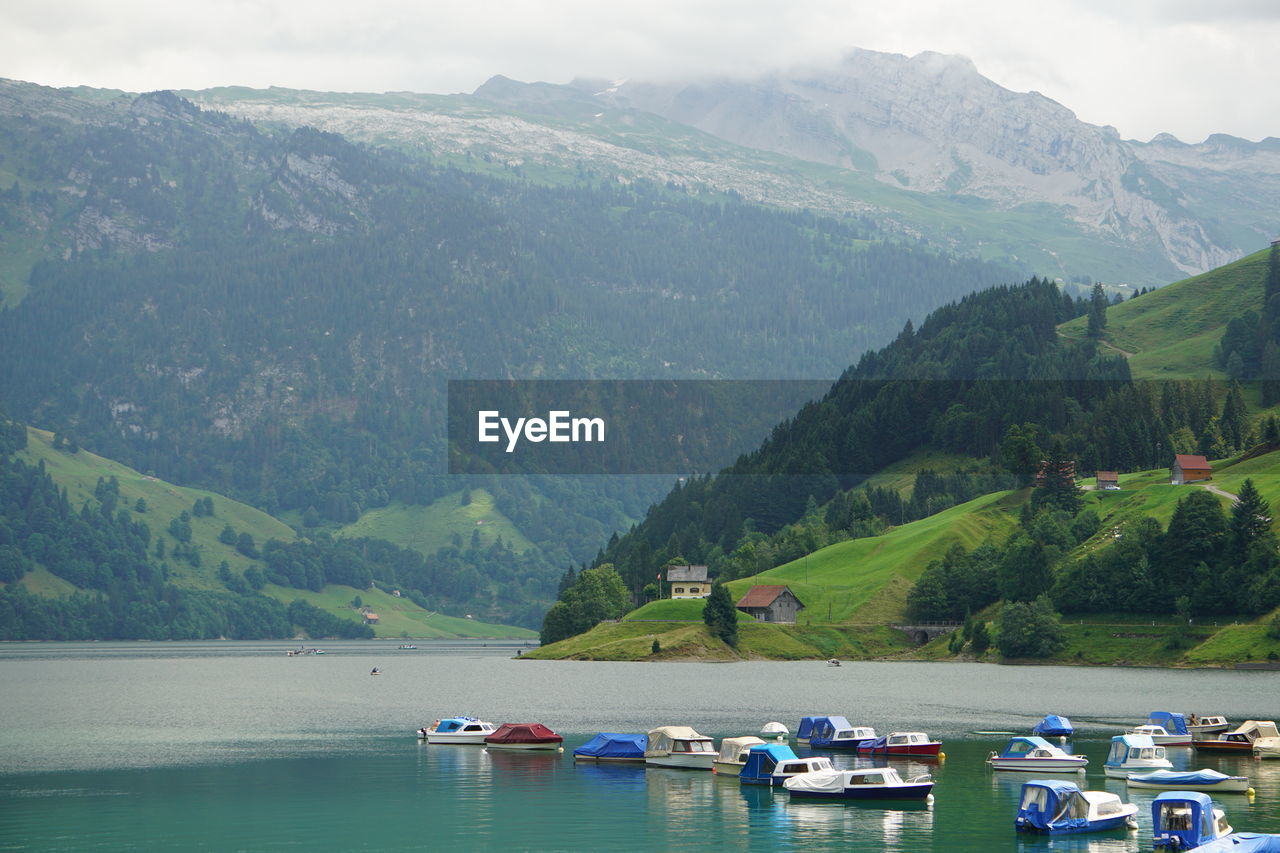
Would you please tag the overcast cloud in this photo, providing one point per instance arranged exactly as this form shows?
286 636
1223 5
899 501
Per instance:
1188 67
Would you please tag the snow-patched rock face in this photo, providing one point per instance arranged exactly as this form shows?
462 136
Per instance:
933 123
929 123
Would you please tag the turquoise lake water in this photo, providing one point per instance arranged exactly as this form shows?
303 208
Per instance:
236 747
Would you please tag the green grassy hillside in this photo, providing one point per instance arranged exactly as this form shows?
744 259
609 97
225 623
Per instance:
78 473
397 617
838 582
427 529
1170 333
854 590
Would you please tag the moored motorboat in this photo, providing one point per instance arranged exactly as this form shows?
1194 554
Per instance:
867 783
1134 754
1208 725
1053 725
1054 807
406 646
774 763
775 731
1266 747
613 747
733 754
1035 754
524 736
679 746
838 733
1161 735
1240 740
1194 780
902 743
1184 820
466 731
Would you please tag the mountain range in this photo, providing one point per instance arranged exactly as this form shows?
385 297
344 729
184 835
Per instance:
924 144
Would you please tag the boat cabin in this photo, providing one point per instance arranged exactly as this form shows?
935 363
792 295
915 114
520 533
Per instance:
1135 753
461 725
1030 747
733 750
1183 820
825 730
1053 806
1173 723
806 728
773 763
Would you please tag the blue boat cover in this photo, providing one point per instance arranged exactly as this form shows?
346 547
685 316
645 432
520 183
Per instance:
454 724
1242 842
1017 747
825 728
762 759
880 744
1173 723
1172 777
1047 811
614 745
1192 830
1053 725
806 726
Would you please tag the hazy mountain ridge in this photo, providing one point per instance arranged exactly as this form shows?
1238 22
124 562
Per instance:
934 123
929 127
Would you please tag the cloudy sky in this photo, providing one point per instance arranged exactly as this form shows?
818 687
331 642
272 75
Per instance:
1189 67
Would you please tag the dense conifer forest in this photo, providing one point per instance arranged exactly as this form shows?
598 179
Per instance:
273 315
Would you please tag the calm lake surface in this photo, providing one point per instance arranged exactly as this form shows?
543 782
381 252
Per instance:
230 746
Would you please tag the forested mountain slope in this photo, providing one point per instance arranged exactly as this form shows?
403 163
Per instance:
274 314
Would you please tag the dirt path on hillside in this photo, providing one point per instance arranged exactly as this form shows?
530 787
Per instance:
1217 491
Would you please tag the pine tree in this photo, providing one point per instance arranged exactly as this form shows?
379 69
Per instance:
720 614
1097 311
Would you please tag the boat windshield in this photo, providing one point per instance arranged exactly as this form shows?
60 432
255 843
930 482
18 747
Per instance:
1035 796
1175 817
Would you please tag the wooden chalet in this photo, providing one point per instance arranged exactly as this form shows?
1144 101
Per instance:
688 581
1108 481
1189 469
771 604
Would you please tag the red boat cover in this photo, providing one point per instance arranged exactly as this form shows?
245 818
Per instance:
523 733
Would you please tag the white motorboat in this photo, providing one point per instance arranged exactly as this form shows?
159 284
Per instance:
1160 735
457 730
1035 754
1266 747
733 754
1135 754
1199 726
679 746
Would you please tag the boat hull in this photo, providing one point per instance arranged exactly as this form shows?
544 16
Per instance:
1124 772
726 768
842 743
548 746
1102 825
907 791
472 739
1038 765
683 762
1231 785
1222 746
924 750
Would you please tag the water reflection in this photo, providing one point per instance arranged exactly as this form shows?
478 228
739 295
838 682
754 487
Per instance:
604 773
1092 843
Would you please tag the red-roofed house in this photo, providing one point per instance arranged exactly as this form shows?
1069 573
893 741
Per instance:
1189 469
770 604
1108 480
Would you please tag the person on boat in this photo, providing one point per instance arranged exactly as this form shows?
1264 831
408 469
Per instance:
1194 719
